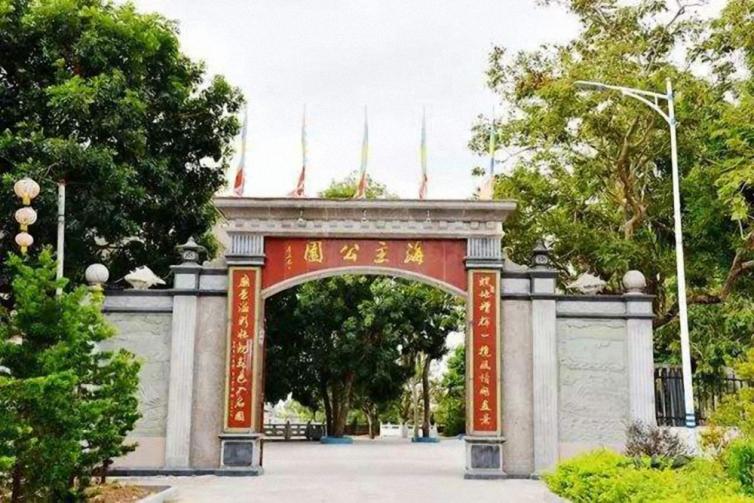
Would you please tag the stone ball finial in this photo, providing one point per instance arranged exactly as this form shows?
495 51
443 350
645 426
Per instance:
96 275
634 282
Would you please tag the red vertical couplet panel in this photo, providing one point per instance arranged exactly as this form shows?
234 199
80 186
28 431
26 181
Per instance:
243 298
485 358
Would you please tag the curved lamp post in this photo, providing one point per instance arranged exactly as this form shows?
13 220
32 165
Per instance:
652 100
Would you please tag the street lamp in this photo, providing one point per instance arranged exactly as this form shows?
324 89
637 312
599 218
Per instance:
652 100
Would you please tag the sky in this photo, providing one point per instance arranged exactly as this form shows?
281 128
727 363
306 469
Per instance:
396 57
337 56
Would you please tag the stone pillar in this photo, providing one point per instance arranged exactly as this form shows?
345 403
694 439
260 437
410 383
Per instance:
182 337
241 439
544 361
484 437
639 348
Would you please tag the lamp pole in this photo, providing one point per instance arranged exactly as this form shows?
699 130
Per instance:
652 99
61 231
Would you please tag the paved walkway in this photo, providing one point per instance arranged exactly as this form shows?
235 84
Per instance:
383 470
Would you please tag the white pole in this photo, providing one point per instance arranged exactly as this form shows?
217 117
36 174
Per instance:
688 392
61 230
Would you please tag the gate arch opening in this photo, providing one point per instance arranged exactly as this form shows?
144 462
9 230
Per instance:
365 271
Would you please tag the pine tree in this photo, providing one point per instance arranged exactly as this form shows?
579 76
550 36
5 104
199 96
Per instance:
65 406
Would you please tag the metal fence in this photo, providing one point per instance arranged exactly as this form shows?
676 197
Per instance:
669 400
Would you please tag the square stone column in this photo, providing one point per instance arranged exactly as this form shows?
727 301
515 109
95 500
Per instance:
639 347
484 399
241 440
182 340
544 361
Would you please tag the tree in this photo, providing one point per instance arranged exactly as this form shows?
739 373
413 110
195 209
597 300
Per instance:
591 171
66 406
346 189
451 406
338 341
100 96
433 315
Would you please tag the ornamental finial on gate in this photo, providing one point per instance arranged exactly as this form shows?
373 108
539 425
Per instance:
190 251
541 255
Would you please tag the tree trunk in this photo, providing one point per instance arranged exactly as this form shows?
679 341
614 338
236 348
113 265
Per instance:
369 425
342 401
328 408
16 496
425 393
415 405
375 420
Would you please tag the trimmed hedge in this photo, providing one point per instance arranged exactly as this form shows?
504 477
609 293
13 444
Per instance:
607 477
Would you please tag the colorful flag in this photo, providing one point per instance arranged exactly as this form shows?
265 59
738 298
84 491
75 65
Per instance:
423 156
299 190
239 180
487 189
361 188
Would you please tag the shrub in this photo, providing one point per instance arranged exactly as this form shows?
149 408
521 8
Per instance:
607 477
739 459
660 444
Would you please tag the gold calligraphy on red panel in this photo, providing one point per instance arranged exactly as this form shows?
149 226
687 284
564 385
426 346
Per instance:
243 298
485 357
440 259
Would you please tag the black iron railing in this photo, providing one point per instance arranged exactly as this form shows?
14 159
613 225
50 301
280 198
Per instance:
669 400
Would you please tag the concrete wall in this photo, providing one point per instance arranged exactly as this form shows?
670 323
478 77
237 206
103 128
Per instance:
209 382
571 382
593 403
147 335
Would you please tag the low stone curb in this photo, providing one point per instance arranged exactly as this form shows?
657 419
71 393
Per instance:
167 493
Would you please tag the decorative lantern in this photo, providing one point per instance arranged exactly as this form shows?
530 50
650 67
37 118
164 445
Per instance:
27 189
24 240
25 217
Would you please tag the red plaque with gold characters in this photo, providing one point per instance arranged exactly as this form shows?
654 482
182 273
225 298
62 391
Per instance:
484 310
243 301
439 259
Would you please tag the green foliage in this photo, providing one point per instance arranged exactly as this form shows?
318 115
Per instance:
607 477
346 189
65 405
737 409
451 405
591 170
99 95
739 460
345 341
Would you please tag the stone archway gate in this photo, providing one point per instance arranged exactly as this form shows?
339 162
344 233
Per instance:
278 243
549 374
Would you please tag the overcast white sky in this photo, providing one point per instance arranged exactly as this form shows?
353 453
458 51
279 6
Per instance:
335 56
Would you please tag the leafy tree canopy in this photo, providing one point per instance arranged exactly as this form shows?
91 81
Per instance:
100 96
591 170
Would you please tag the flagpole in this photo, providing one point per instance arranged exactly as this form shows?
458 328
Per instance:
361 188
423 156
487 190
239 180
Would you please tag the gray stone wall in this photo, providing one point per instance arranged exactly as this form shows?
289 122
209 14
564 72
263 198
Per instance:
594 386
147 335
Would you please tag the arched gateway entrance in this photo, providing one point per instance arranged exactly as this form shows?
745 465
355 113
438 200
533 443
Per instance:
549 374
275 244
